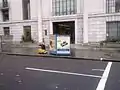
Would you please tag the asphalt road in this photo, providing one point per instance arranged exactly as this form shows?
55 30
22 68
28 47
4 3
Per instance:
38 73
113 82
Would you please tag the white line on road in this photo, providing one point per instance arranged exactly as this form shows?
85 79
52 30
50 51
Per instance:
62 72
102 70
104 78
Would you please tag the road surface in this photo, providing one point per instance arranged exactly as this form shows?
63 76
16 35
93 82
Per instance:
40 73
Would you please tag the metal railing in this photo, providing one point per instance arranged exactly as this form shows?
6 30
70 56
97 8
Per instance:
5 43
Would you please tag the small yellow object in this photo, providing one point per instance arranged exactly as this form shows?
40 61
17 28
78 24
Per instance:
42 51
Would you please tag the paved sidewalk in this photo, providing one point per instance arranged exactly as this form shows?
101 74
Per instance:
77 52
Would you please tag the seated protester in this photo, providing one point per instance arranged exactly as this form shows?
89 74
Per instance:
42 46
42 49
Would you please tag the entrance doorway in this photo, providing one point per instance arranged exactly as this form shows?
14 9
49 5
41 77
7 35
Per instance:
27 33
65 28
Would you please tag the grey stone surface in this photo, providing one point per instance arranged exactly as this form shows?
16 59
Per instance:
88 54
78 51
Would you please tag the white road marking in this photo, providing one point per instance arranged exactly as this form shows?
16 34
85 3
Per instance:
104 78
102 70
101 59
62 72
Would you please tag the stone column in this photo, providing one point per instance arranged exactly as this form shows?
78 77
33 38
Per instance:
40 37
85 22
76 31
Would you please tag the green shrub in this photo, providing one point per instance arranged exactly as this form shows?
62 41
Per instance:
23 38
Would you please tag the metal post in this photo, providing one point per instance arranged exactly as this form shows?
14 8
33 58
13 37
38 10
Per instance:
1 43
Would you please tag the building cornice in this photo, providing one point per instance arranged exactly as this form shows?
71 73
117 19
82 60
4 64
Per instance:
16 22
103 15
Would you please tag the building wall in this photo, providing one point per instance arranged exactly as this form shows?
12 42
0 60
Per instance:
91 30
48 19
80 6
4 25
46 8
16 10
34 31
16 29
95 6
0 11
17 32
46 26
113 17
93 13
96 28
79 30
16 21
1 30
78 25
34 9
0 16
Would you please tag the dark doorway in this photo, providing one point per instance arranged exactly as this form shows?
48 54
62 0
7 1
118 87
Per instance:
27 33
65 28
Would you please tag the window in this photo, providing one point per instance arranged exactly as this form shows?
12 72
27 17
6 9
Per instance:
112 6
113 30
5 15
5 3
5 10
26 9
6 31
64 7
117 4
45 32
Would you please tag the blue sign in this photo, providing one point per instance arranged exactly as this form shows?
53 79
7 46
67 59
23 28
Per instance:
63 45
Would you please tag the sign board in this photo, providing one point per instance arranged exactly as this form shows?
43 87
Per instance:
52 44
63 45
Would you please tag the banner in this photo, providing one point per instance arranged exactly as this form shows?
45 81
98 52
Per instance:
63 45
52 44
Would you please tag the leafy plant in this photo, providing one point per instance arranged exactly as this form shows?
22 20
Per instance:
22 39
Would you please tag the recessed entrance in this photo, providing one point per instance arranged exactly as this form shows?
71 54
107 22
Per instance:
65 28
27 33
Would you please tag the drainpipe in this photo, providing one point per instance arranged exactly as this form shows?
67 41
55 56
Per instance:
1 43
85 22
40 37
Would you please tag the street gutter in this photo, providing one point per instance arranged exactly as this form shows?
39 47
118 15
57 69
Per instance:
63 57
